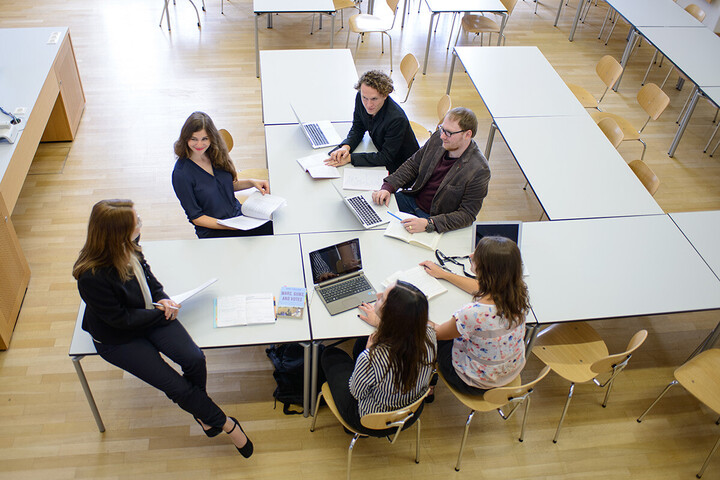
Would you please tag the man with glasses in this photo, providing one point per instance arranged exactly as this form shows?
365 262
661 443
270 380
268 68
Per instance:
445 182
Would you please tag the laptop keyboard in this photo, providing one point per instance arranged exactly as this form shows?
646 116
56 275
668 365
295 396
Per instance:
317 136
364 210
344 289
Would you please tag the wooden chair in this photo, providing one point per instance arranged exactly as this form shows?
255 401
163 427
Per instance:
398 419
576 352
227 138
646 176
479 24
443 107
422 134
340 6
515 394
609 71
612 131
701 377
409 67
652 100
362 23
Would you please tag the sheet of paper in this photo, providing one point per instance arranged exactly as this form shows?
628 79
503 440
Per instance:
417 276
243 222
363 178
315 165
238 310
262 206
181 297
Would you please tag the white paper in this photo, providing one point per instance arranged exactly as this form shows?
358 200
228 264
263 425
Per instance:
262 206
417 276
315 165
243 222
363 178
240 310
181 297
395 229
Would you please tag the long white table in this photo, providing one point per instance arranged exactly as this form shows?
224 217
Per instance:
241 265
319 83
270 7
574 170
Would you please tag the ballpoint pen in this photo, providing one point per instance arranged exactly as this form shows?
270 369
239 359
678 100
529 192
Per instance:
391 213
166 306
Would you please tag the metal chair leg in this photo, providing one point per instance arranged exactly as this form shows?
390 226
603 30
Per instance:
662 394
707 460
642 156
391 55
602 28
607 392
565 408
417 443
647 72
525 415
317 406
711 138
462 444
350 450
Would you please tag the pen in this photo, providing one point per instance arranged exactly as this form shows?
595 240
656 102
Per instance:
165 306
391 213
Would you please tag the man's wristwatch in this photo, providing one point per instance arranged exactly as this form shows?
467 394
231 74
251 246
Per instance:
430 226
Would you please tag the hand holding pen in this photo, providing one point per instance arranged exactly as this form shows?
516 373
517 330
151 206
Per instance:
169 307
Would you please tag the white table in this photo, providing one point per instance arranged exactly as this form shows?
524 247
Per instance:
182 265
313 205
437 7
319 83
270 7
574 170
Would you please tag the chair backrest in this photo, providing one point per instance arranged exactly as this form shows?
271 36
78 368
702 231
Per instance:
608 363
646 176
227 138
409 67
612 131
393 4
503 395
509 5
701 376
609 70
653 100
395 419
696 12
443 107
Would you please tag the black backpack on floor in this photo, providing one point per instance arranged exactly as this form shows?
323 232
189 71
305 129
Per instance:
289 362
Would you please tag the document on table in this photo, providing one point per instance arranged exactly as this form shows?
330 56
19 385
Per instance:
257 210
315 165
181 297
238 310
417 276
363 178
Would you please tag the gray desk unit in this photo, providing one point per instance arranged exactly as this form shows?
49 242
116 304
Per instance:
182 265
319 83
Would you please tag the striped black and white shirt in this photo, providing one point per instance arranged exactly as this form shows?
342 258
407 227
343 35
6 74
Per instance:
372 382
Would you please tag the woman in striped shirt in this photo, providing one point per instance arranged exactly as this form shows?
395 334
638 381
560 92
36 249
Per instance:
393 366
481 346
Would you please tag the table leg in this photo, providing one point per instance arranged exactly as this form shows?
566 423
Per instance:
502 28
557 16
452 70
306 377
530 337
269 20
371 7
88 394
491 136
685 120
257 47
404 12
314 375
427 46
332 29
626 55
575 21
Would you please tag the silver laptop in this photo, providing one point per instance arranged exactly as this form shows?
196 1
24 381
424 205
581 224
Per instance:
338 277
320 134
364 209
509 229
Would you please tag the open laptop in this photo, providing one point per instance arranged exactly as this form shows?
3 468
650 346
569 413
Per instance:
338 277
364 209
509 229
320 134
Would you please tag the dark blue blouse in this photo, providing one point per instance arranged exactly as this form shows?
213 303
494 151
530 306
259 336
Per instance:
203 194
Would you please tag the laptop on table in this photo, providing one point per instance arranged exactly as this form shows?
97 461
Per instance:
338 277
508 229
364 209
320 134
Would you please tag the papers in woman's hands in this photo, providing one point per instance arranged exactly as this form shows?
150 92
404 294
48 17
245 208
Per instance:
244 310
396 229
257 210
181 297
363 178
417 276
315 165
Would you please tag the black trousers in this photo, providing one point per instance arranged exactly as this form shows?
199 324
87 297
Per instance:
141 357
448 370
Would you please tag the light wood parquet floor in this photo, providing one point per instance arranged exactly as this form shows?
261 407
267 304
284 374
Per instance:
141 82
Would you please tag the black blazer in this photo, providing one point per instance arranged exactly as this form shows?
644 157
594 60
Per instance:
115 311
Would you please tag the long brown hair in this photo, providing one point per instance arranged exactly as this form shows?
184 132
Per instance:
217 151
109 239
403 330
499 274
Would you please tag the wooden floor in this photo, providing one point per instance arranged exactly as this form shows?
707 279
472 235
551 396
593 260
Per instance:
141 82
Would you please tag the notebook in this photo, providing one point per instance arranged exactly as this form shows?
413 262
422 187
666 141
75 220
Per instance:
320 134
509 229
364 209
338 277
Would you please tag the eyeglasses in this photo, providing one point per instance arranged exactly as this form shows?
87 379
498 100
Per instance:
448 133
442 259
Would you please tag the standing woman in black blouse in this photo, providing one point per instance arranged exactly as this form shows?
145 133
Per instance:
132 320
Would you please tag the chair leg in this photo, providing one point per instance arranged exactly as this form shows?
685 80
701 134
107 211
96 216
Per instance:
347 40
716 147
662 394
391 55
312 24
642 156
711 138
417 443
670 70
611 31
526 185
682 110
602 28
707 460
350 450
462 444
607 392
565 408
525 415
652 61
317 406
382 45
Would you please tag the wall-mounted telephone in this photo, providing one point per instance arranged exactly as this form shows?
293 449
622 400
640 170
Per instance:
8 131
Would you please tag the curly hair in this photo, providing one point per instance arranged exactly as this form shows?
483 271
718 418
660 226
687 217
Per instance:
378 80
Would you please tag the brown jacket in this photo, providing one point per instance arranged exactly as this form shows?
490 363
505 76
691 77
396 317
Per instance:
460 195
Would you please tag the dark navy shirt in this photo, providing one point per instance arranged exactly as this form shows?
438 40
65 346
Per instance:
203 194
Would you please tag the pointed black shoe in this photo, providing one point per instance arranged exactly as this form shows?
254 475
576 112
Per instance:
210 432
247 449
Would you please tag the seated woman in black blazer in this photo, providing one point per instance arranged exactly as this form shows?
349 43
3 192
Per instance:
393 366
132 320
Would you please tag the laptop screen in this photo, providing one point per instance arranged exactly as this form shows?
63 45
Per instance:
335 261
511 230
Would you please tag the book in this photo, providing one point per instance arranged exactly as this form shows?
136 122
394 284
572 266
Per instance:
292 302
257 210
430 286
395 229
238 310
363 178
315 165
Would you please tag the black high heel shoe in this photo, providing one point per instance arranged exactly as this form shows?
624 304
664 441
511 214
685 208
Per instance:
247 449
210 432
